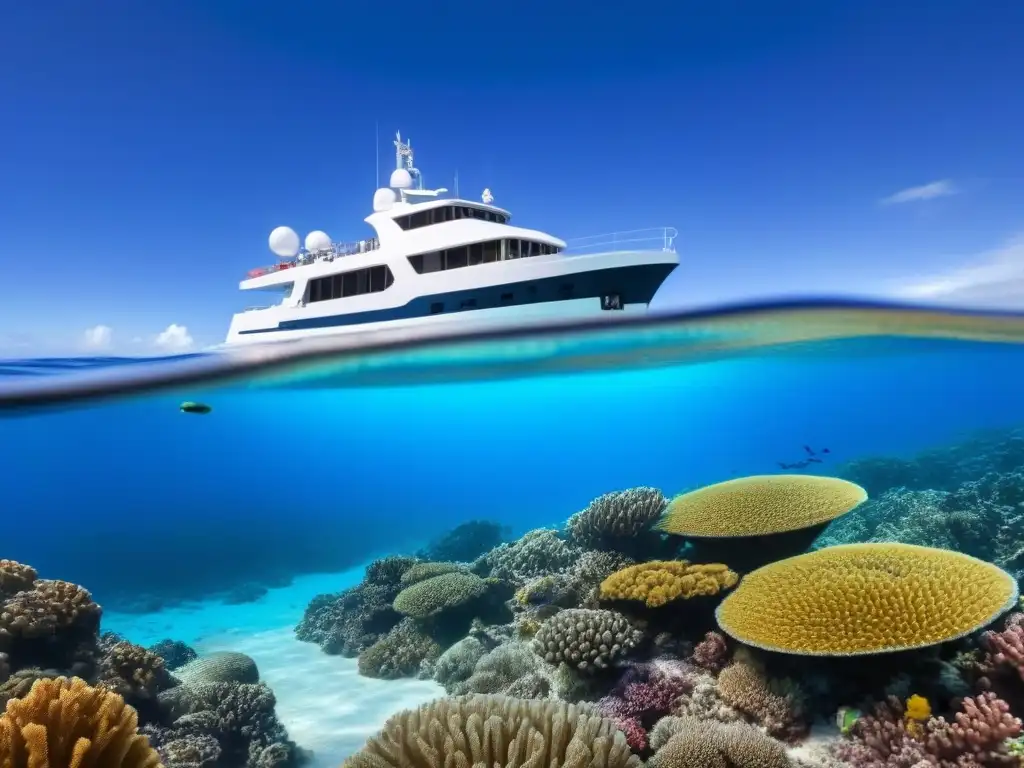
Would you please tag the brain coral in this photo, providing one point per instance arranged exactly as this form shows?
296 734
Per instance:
496 731
760 505
65 722
661 581
219 667
585 639
865 598
438 593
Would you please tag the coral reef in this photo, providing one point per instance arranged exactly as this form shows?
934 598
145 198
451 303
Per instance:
220 667
690 742
65 722
439 593
496 730
865 599
399 653
465 542
426 570
538 553
659 582
174 653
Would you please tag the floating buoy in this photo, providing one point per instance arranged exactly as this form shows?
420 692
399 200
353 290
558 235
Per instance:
189 407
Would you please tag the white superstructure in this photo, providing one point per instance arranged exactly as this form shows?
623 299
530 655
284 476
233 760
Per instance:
436 260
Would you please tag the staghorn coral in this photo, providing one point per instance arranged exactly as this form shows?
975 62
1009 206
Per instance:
220 667
659 582
439 593
865 598
399 653
422 571
586 639
15 577
688 742
617 521
645 693
705 702
496 730
65 723
201 751
388 570
759 505
779 708
711 653
538 553
978 737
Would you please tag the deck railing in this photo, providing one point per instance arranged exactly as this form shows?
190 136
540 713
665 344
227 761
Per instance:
654 239
337 250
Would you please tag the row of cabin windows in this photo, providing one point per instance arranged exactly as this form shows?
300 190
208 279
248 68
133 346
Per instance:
478 253
351 283
448 213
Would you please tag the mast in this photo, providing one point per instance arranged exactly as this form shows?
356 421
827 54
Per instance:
403 159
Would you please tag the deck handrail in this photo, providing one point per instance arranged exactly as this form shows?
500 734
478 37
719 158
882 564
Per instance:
304 257
650 239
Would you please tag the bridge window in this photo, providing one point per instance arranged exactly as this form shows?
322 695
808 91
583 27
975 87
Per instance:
478 253
355 282
448 213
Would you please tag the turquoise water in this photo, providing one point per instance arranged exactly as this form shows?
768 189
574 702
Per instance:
218 529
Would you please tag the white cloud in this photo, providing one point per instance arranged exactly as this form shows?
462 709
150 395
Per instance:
924 192
174 338
98 337
991 280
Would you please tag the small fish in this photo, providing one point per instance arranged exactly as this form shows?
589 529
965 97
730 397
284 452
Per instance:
815 461
845 719
189 407
810 452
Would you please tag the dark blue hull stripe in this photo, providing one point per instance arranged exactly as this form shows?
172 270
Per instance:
633 285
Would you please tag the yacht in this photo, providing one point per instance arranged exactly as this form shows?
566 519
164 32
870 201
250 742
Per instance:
443 260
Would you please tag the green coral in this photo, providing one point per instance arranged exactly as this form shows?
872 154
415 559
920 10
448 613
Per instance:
439 593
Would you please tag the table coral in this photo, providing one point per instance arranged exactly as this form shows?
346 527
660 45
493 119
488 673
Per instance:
659 582
865 598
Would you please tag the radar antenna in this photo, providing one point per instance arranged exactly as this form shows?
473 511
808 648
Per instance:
403 159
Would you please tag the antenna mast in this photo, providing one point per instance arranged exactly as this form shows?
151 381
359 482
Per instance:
403 158
456 182
376 147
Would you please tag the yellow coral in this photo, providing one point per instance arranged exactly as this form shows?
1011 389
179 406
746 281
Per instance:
865 598
918 708
661 581
65 723
759 505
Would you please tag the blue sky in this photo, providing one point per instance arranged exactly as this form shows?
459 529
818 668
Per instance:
148 148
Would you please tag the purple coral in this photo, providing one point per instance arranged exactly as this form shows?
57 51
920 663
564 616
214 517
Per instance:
645 693
975 739
711 653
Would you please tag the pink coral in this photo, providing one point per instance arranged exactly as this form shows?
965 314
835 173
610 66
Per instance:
645 693
711 653
1006 648
635 733
976 738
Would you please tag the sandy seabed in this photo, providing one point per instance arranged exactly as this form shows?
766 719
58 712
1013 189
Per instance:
324 703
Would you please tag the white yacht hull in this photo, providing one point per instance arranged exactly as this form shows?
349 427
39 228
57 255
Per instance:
477 320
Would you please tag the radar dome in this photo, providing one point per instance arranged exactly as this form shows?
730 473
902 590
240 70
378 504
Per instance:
284 241
383 199
400 179
317 241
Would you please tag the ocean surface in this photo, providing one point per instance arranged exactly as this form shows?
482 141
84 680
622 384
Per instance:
217 529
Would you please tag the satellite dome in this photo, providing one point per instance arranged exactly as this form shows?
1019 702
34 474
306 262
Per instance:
383 199
284 241
400 179
317 241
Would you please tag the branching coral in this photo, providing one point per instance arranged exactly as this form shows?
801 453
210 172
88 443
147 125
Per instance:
538 553
688 742
422 571
466 541
174 653
512 666
586 639
865 598
399 653
645 693
496 730
977 738
439 593
779 708
617 521
711 653
1007 646
760 505
659 582
65 723
133 672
